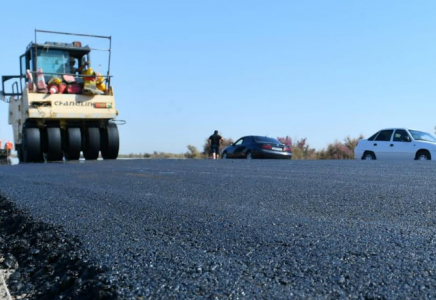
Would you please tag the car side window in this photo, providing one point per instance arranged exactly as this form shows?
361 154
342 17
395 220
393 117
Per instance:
246 141
239 142
384 136
401 136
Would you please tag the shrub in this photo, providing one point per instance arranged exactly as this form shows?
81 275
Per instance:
338 150
161 155
300 149
193 153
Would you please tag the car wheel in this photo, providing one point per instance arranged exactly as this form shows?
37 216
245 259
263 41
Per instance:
368 156
224 156
422 155
249 155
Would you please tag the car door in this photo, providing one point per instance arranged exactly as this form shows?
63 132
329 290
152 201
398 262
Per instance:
381 144
246 146
238 148
232 153
402 145
231 149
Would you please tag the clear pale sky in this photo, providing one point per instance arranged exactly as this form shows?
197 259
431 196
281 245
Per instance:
322 70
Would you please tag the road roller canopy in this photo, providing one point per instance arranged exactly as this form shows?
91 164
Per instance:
54 59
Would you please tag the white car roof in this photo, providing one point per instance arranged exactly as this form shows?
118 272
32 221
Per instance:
403 128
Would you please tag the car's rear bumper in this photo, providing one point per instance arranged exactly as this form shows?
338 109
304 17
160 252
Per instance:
273 154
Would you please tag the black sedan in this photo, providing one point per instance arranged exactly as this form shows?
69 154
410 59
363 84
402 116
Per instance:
257 147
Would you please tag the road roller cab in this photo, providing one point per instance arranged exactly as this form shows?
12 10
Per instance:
59 106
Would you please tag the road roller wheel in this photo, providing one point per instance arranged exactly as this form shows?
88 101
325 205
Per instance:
92 143
73 143
19 152
31 145
110 142
54 144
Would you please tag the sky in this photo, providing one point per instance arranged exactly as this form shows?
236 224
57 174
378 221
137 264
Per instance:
321 70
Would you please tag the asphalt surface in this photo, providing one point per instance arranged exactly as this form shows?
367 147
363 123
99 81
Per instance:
204 229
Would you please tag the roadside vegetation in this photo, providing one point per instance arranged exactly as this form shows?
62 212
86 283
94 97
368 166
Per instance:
336 150
301 150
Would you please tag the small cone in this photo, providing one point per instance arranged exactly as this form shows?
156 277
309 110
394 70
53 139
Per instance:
62 88
53 89
40 81
30 84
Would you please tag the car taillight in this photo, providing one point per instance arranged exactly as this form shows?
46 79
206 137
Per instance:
269 147
288 149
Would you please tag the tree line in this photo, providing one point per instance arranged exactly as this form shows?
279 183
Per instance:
301 150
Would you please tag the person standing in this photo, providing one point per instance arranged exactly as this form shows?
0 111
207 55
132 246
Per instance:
214 141
8 147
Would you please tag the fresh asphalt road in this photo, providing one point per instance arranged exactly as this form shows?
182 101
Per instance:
166 229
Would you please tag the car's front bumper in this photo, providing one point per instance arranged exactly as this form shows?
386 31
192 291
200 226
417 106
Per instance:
358 154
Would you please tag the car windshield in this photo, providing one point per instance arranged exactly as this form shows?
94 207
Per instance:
264 139
422 136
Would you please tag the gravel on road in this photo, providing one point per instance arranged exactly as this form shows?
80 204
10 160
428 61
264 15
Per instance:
165 229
